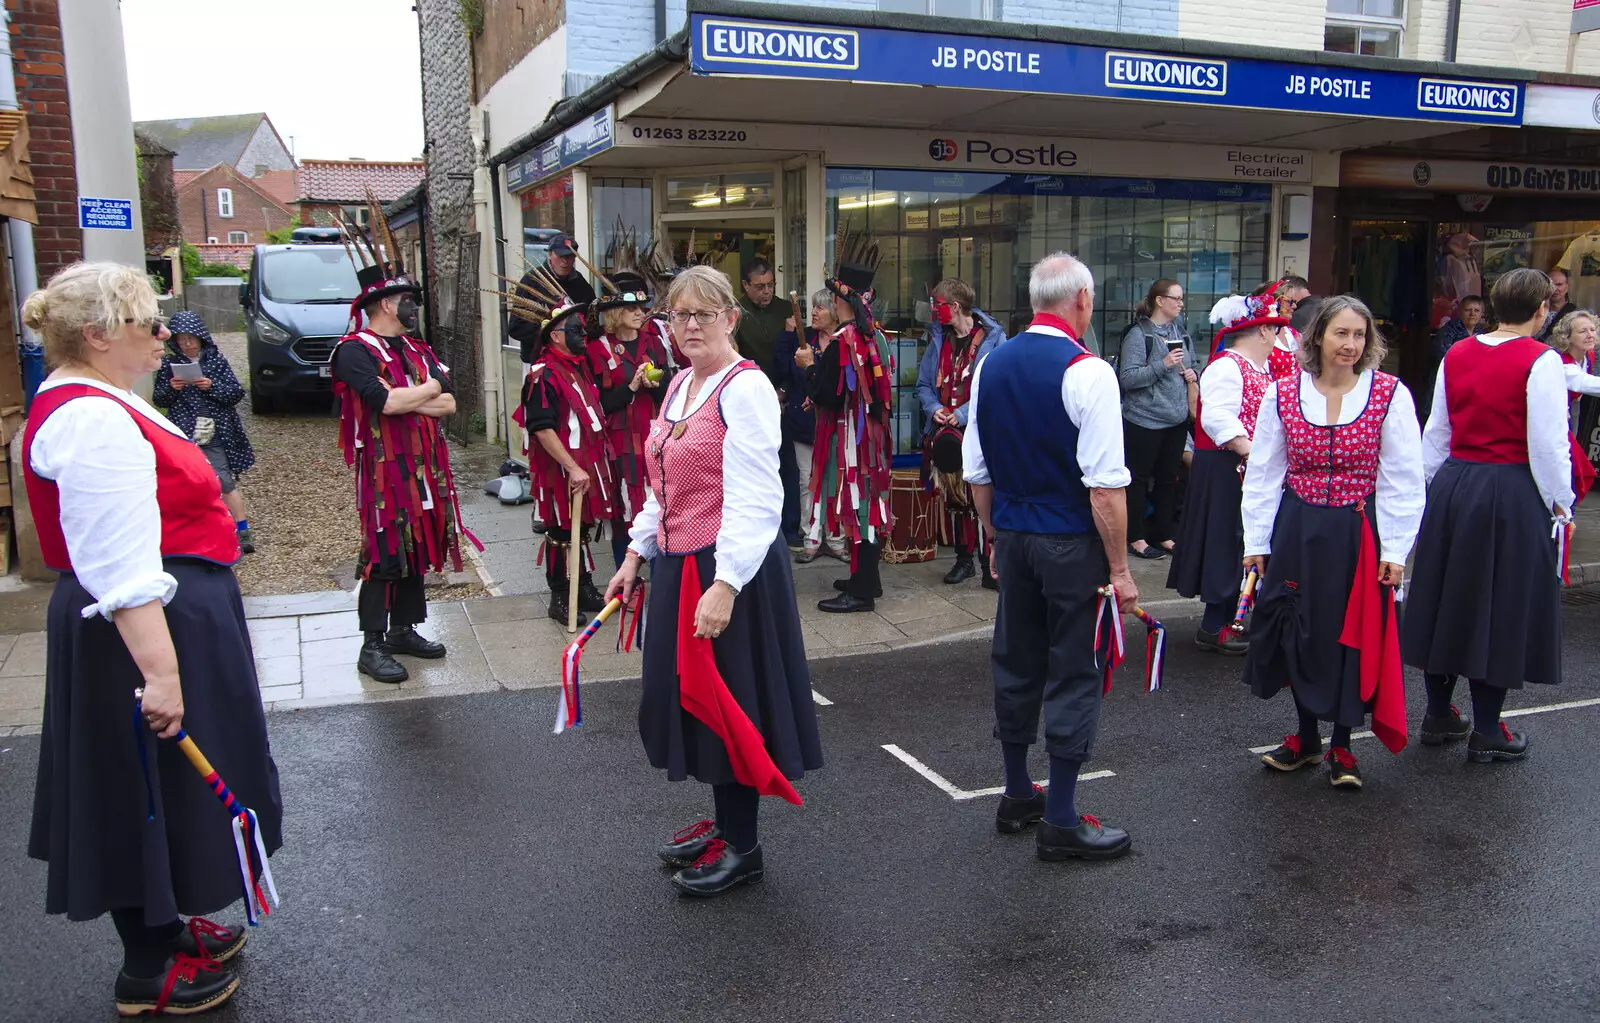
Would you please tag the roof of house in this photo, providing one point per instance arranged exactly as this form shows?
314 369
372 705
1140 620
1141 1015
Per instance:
181 178
199 143
149 145
348 180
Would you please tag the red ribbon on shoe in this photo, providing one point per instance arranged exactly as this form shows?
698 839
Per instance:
1370 629
703 693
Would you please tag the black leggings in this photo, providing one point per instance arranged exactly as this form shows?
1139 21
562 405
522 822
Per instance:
145 949
1154 458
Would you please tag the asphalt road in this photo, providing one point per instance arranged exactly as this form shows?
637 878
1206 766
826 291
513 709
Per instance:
452 860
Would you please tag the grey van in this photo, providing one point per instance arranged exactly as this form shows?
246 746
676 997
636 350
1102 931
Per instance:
296 308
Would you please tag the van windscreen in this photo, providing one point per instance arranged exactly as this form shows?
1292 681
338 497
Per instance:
298 276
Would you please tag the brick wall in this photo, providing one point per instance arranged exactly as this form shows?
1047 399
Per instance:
233 255
511 29
452 156
603 35
42 92
253 213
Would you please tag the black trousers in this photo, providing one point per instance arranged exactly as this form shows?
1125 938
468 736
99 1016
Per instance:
1043 657
386 604
865 582
1154 458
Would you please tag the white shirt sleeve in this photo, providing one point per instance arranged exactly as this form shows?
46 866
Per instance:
1549 440
1436 438
1093 401
1221 397
105 472
1580 379
752 494
1400 490
642 534
973 468
1265 472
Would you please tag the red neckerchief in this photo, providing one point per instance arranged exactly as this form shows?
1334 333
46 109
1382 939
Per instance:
952 384
1050 320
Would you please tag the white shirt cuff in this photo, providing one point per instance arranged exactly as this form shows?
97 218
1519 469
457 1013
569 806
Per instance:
1258 549
647 548
1114 480
727 575
1392 558
136 592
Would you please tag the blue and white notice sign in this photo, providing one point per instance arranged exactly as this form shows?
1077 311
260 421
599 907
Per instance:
741 46
105 214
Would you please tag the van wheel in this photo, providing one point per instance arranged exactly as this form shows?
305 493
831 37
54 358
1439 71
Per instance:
260 403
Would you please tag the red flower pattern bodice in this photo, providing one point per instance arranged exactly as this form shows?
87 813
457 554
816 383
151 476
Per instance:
1334 466
1255 388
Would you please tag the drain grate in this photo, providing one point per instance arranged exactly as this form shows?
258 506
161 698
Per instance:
1580 597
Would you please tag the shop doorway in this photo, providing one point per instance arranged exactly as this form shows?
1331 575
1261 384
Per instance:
727 244
1392 266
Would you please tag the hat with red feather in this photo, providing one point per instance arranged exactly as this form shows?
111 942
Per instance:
1242 312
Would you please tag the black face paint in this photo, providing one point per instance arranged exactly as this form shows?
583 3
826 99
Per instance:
406 312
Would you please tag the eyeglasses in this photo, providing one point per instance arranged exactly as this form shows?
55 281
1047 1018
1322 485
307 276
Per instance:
157 325
759 286
1176 298
704 317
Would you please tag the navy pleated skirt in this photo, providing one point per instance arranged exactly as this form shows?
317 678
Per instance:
1300 611
1207 558
112 841
762 658
1485 599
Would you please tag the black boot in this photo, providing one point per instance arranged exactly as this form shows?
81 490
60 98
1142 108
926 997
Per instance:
590 599
559 605
197 985
377 663
719 869
962 570
407 641
989 581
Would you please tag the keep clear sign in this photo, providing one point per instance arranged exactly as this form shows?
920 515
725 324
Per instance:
105 214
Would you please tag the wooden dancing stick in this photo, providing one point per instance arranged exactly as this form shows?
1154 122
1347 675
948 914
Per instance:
1247 593
574 554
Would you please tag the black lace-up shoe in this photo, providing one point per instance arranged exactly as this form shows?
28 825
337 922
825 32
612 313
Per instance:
1090 840
203 939
590 599
1223 641
1343 771
1436 731
1292 755
719 869
1507 745
844 603
189 986
961 571
411 643
687 845
378 664
1015 815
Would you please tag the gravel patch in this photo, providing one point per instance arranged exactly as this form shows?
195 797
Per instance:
302 497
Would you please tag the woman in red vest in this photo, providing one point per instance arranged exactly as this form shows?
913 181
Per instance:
1499 454
1331 503
131 513
727 693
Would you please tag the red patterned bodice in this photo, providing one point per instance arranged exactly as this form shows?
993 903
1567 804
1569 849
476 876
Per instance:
683 460
1334 466
1255 388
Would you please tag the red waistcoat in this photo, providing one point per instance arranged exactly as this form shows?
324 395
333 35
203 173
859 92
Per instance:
1282 364
1334 466
194 521
684 463
1486 392
1255 388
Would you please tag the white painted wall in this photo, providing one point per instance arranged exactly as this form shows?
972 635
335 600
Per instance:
102 121
1291 24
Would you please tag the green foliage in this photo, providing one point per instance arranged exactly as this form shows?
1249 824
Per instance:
194 267
284 235
471 14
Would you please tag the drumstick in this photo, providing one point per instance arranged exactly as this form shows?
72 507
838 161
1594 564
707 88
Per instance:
574 541
1247 592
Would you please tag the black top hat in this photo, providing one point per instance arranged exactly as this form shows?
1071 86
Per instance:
946 449
379 281
632 289
558 320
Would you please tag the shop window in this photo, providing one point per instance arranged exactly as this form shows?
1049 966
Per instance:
622 215
1373 27
726 194
990 230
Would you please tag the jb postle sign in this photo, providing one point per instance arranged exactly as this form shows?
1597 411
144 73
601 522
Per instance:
741 46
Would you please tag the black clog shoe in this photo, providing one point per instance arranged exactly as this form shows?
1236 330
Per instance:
688 845
189 986
1292 755
1343 771
203 939
1090 840
718 870
1015 815
1508 745
1436 731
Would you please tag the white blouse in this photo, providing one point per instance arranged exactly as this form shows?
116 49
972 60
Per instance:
1580 380
1399 494
752 495
105 472
1222 397
1549 439
1092 400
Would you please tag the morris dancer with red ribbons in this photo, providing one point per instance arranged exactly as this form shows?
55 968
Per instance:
1332 500
727 693
392 392
852 391
1211 542
1043 452
1485 597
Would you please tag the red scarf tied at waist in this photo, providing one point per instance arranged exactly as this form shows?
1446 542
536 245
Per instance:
703 693
1370 628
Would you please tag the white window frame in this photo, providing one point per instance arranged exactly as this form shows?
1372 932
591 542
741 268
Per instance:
225 203
1360 21
211 240
242 239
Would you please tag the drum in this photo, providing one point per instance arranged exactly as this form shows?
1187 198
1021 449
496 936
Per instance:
916 519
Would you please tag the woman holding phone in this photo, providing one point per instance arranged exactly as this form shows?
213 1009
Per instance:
1156 369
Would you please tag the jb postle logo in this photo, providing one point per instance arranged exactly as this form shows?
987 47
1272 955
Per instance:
944 150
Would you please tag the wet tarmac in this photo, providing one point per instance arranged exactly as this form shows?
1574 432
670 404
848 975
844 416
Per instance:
451 860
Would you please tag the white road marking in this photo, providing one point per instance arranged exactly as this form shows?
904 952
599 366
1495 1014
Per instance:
820 700
1520 712
959 794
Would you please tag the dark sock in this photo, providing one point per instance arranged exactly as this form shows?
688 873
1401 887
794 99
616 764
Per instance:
1340 736
145 949
737 806
1310 728
1218 616
1487 701
1061 805
1018 783
1440 689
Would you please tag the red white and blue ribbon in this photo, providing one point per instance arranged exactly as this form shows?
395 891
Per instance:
569 708
1108 630
1561 532
1155 650
1247 597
